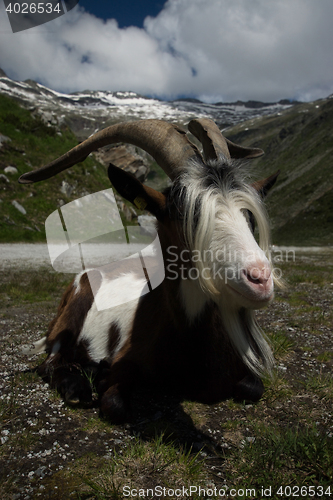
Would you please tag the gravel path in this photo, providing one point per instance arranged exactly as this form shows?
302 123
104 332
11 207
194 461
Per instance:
36 255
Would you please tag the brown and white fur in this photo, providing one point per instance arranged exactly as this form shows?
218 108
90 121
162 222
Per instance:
196 332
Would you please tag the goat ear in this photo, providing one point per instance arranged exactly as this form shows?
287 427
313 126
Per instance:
130 188
263 186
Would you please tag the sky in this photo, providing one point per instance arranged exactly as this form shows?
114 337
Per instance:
213 50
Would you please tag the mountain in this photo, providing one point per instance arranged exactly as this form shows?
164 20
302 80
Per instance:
38 124
88 111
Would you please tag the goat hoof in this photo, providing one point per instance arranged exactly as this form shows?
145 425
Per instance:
113 407
250 388
71 399
76 392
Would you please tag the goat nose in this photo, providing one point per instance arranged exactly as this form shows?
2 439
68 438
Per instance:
258 275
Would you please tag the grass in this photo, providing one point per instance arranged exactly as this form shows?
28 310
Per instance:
285 457
281 344
285 440
277 387
147 460
31 285
320 384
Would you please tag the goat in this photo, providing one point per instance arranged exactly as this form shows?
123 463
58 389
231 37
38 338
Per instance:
196 332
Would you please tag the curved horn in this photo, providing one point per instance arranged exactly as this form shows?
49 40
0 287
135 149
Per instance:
215 145
165 142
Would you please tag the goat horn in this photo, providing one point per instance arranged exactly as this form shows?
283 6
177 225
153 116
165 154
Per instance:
166 143
215 144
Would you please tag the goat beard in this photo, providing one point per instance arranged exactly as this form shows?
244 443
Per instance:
246 336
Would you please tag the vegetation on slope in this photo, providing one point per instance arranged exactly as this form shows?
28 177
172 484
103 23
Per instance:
33 144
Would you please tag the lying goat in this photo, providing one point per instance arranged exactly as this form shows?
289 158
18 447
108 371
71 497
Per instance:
196 331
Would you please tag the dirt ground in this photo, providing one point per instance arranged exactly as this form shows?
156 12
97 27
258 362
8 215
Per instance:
48 450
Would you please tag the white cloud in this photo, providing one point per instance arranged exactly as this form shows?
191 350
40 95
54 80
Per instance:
221 49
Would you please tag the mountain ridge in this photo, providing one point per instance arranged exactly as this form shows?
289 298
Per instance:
87 111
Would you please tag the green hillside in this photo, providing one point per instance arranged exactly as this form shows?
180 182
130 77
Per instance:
299 143
33 144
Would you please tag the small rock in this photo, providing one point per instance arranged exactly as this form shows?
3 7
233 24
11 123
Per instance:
19 207
9 221
4 138
10 170
66 188
3 178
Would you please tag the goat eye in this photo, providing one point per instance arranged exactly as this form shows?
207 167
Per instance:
252 221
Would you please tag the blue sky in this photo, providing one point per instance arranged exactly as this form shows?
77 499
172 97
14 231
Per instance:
214 50
126 12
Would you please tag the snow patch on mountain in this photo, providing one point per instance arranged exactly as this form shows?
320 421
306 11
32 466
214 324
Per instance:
88 111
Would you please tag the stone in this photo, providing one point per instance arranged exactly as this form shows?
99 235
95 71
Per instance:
19 207
66 188
10 170
3 139
3 178
123 157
